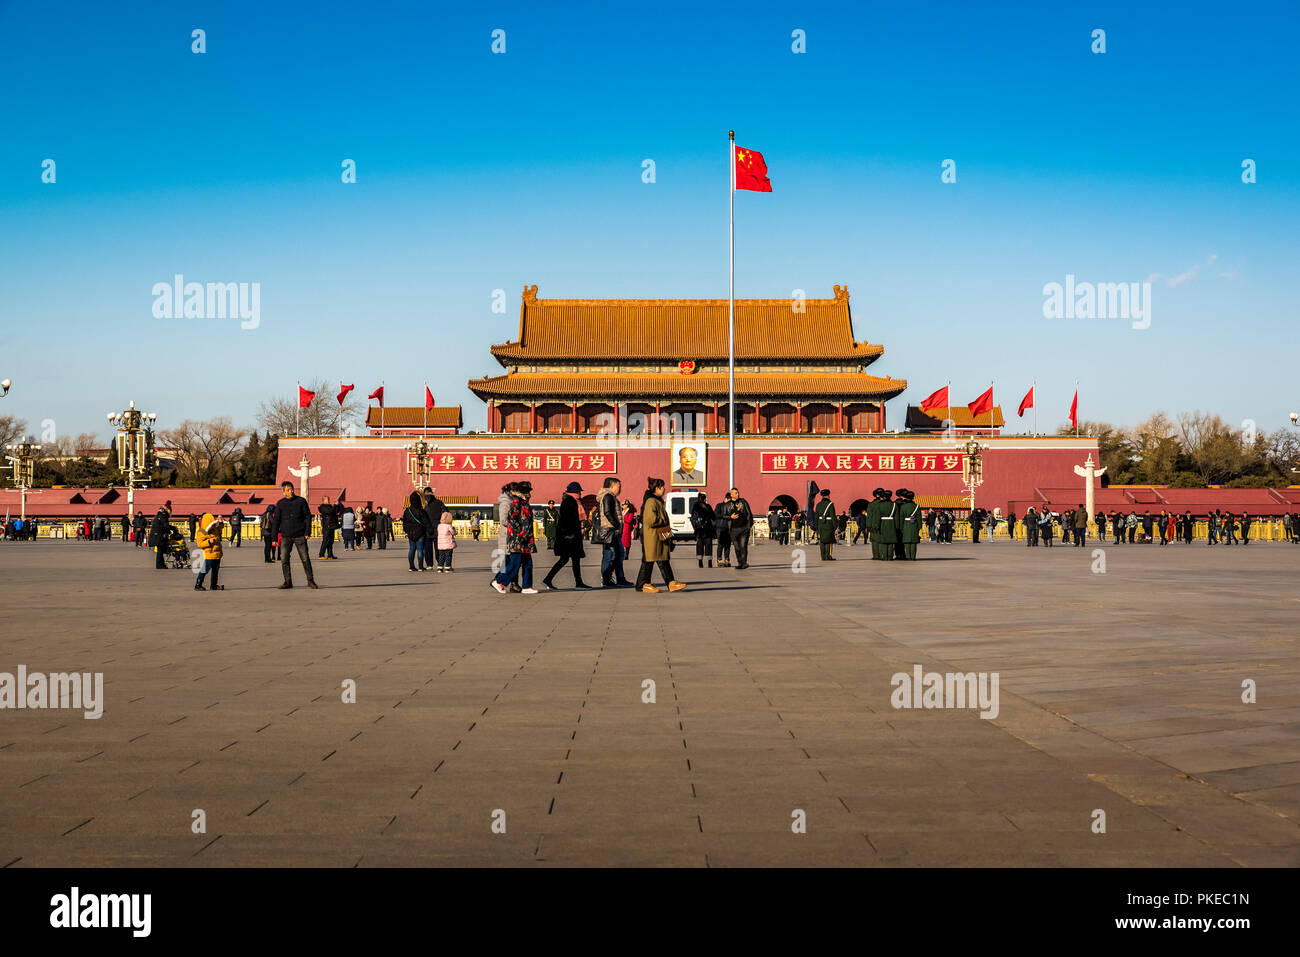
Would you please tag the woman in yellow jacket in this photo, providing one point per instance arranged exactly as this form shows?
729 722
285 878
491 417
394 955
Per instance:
654 551
208 538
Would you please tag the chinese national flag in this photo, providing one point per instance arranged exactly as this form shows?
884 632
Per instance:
378 394
304 397
982 405
428 398
343 392
751 171
1074 410
1027 402
936 400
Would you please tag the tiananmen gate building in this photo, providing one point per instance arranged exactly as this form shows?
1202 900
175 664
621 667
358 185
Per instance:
599 387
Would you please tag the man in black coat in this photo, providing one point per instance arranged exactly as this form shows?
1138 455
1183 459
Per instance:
292 523
329 521
194 522
739 523
237 526
138 526
568 539
160 534
268 534
722 528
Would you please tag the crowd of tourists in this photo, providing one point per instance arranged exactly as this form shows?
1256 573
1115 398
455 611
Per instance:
891 523
613 524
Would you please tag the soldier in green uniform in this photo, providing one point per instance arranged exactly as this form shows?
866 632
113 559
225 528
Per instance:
873 524
827 522
889 522
548 525
909 525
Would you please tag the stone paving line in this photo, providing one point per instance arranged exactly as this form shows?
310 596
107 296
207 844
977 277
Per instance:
1119 691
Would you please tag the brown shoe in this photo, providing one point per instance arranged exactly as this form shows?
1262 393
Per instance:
650 589
287 585
311 584
676 586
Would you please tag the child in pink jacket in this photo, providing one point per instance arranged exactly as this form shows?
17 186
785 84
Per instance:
445 542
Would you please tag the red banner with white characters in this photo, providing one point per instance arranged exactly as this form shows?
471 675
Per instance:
517 462
851 462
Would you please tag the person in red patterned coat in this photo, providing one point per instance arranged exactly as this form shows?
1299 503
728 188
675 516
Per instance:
520 543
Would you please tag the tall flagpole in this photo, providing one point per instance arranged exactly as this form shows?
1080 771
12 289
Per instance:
990 408
297 409
1034 387
381 407
424 403
731 311
1076 408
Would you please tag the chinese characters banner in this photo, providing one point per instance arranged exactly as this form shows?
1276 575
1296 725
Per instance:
524 462
859 462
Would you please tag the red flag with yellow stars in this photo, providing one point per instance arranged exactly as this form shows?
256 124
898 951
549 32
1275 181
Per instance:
751 171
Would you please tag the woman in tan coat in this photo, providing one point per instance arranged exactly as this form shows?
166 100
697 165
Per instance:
654 551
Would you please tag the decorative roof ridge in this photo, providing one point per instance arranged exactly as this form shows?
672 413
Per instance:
856 343
676 302
530 298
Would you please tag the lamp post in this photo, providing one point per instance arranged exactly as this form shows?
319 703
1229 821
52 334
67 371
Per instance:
4 387
417 462
972 468
134 436
24 466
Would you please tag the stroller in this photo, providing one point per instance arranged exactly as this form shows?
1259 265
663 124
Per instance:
178 553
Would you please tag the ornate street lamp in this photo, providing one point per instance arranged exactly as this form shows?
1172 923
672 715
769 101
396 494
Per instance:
4 387
972 467
24 466
134 438
417 462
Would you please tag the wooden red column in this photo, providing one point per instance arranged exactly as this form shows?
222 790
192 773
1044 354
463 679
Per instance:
839 419
573 422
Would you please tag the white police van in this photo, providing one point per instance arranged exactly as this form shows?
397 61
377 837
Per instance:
679 504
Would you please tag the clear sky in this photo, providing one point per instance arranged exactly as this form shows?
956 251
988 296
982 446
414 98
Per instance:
479 171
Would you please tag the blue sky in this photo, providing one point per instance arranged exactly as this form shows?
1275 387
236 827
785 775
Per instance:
478 171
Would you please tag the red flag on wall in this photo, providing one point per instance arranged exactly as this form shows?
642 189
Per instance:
304 397
1027 402
378 394
751 171
935 400
343 391
1074 409
983 404
428 398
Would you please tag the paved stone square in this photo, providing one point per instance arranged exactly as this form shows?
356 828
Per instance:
1119 691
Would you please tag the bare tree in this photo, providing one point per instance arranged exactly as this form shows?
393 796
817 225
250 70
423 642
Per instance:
85 441
1155 447
12 430
1213 446
324 416
203 449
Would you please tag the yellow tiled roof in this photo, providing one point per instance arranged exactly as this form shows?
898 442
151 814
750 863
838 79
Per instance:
674 329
